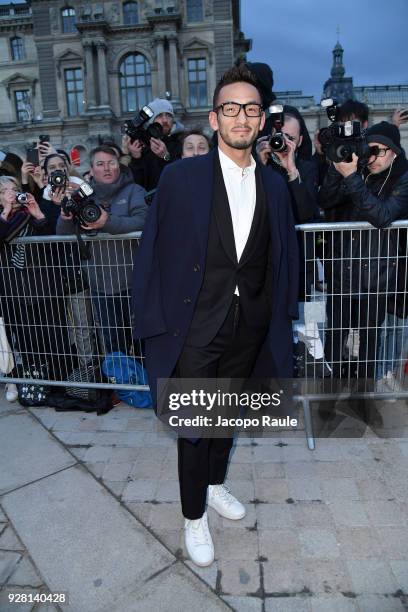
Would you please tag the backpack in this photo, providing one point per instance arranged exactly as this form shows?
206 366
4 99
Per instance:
121 369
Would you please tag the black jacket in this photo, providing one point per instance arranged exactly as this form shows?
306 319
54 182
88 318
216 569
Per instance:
147 170
369 258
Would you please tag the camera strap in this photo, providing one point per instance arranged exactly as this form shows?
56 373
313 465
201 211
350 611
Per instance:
84 248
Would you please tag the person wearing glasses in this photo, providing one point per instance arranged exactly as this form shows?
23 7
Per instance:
215 286
363 274
123 210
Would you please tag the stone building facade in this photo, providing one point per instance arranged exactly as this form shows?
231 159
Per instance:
382 100
76 70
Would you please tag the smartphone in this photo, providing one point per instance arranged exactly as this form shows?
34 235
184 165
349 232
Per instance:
33 157
44 138
405 113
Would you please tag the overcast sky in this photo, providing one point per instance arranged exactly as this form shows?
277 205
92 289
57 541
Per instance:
296 38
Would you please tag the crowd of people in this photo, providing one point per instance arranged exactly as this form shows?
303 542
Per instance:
51 297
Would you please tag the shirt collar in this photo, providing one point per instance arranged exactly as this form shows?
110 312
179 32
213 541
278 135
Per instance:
228 164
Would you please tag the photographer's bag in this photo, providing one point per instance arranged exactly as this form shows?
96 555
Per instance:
121 369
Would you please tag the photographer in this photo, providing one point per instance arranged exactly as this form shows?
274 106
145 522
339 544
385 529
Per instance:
122 209
148 161
31 294
362 271
294 164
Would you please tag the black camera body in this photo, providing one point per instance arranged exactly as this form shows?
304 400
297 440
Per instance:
58 179
137 129
21 198
82 206
277 139
341 139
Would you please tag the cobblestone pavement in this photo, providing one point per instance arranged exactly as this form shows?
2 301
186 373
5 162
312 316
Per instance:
325 531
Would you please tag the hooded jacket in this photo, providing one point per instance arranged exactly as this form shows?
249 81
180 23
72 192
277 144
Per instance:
369 258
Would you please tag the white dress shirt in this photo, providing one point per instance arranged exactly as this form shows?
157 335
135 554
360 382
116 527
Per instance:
241 191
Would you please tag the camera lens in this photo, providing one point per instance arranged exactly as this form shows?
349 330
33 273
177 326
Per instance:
90 213
278 143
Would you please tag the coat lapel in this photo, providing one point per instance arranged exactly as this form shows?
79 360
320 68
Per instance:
275 221
200 193
223 212
256 221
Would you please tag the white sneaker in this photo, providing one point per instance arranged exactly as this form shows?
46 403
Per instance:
198 540
11 392
220 498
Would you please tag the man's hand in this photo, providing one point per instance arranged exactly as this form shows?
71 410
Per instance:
287 158
44 149
66 216
99 224
33 208
135 148
158 147
57 195
400 116
263 149
347 168
26 169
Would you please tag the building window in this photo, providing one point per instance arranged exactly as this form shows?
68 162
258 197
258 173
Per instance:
194 11
135 82
130 13
17 48
22 104
197 82
74 87
68 20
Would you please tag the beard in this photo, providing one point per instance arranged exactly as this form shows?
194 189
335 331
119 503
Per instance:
238 142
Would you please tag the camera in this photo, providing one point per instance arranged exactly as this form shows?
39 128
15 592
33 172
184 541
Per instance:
81 205
21 198
341 139
277 139
57 179
137 129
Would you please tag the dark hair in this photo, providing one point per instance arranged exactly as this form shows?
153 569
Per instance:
102 149
47 159
236 74
64 154
353 108
197 131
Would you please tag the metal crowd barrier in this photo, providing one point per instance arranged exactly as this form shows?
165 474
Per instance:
64 314
351 341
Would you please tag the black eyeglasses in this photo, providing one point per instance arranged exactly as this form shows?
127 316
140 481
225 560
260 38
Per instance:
232 109
378 152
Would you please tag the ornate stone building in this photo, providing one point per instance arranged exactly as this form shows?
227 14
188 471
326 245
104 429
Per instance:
76 70
382 100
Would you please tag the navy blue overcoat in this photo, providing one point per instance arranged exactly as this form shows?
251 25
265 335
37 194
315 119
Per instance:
170 261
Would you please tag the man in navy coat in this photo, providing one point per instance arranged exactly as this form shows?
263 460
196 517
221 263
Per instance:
216 284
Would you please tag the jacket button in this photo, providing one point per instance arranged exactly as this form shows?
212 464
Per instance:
176 332
196 268
187 300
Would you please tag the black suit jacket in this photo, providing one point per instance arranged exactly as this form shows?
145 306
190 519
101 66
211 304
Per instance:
170 264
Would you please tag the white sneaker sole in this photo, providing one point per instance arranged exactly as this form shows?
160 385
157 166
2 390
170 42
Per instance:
231 518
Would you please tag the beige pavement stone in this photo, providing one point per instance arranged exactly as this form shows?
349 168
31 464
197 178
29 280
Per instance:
271 489
371 576
394 542
239 576
283 576
26 575
327 576
359 542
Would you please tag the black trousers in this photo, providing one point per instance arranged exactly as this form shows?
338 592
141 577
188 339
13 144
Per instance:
365 314
232 353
